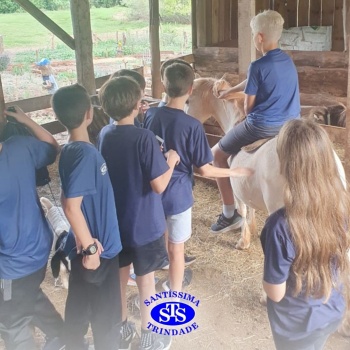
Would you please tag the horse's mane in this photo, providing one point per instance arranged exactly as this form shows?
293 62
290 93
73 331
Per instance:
208 86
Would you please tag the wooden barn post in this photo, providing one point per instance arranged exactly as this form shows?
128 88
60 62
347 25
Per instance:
80 11
201 22
157 88
194 23
246 49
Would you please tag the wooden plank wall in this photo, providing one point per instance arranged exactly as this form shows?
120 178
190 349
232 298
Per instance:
320 73
219 17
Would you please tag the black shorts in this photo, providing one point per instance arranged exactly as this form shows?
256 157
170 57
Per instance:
147 258
244 134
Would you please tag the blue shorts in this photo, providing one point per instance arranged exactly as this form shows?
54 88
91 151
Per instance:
244 134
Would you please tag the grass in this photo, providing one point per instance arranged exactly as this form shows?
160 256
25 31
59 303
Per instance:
21 30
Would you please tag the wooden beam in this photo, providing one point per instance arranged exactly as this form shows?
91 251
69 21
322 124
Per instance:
234 21
208 22
338 27
201 22
227 20
247 52
194 23
324 59
32 104
47 22
80 11
327 12
315 12
157 87
215 21
291 20
303 13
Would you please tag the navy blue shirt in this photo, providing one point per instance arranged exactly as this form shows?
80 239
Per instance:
186 136
273 79
83 172
296 317
134 158
25 237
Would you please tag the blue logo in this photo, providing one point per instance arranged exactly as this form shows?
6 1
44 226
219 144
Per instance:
173 313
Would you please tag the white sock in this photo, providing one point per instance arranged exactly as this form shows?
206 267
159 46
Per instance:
228 210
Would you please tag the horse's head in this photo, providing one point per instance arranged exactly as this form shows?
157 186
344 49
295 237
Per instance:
204 103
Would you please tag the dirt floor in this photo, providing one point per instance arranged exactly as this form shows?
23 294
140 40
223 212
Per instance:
226 281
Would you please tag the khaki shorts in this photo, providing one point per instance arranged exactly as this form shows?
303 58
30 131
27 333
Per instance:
180 226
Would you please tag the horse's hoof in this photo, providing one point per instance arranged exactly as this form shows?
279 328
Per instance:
241 245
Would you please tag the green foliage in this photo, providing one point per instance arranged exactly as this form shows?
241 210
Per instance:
178 11
4 62
171 11
106 3
8 6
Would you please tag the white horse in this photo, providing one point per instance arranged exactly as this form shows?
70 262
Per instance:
264 189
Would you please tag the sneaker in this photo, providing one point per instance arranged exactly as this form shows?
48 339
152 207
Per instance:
163 342
188 261
132 280
152 341
224 224
128 333
185 282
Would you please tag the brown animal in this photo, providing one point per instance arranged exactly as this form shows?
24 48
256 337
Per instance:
334 115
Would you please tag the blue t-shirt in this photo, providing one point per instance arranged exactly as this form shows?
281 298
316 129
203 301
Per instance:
83 172
297 317
186 136
273 79
25 237
134 159
137 121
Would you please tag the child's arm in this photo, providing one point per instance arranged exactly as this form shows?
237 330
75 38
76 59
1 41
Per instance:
38 131
160 183
275 292
237 88
72 210
212 171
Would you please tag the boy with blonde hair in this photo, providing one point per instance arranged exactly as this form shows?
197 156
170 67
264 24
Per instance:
272 98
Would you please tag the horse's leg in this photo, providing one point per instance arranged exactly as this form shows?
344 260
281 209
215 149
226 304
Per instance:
252 221
244 241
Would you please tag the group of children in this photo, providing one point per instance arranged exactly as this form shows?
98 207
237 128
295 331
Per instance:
121 198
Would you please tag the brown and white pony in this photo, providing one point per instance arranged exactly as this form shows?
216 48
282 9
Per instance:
264 189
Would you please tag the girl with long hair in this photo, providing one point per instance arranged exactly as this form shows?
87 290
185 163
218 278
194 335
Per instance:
306 243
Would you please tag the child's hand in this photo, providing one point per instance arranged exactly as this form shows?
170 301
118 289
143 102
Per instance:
92 262
240 172
223 94
16 113
172 157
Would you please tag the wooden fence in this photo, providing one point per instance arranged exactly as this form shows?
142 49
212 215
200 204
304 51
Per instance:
216 21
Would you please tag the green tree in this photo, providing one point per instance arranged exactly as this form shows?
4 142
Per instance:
8 6
107 3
